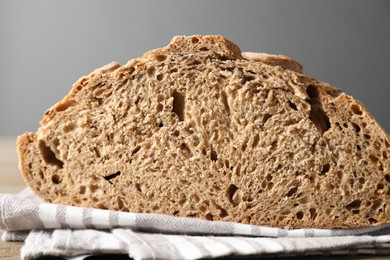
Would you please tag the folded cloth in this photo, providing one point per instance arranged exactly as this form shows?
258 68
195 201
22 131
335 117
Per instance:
59 230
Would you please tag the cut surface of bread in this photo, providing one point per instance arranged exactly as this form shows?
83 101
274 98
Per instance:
200 129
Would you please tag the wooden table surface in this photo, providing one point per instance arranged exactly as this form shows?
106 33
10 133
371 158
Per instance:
12 182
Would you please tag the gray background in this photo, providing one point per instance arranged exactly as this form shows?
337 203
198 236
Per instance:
45 46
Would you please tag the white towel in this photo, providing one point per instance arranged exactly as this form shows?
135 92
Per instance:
59 230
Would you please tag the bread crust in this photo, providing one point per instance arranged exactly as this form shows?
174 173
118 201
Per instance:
200 129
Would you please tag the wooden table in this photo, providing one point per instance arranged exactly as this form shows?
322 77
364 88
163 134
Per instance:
12 182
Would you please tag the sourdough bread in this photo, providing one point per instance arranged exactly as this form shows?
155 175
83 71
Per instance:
199 129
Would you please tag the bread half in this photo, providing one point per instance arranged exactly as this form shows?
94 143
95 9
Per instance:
200 129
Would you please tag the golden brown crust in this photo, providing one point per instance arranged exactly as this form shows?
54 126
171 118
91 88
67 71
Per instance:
198 129
275 60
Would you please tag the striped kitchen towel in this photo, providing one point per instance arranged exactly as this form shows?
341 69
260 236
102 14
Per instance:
58 230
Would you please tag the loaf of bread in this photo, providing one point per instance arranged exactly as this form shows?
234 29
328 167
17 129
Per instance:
200 129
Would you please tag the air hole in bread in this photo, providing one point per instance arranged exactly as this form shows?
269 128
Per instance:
194 198
182 201
358 147
112 176
292 105
367 136
237 169
274 144
202 208
266 117
82 190
223 213
256 140
69 128
151 71
56 179
225 101
290 122
41 175
317 115
101 206
209 216
376 162
216 188
247 78
178 105
124 82
204 49
100 101
160 77
99 89
195 39
48 155
384 154
138 187
325 168
94 188
387 177
213 155
136 150
264 184
120 202
285 212
372 220
340 174
355 211
354 205
300 215
292 191
192 62
231 191
303 200
159 107
160 57
186 150
313 213
244 144
356 109
377 205
77 201
264 76
176 212
380 186
357 128
281 218
247 220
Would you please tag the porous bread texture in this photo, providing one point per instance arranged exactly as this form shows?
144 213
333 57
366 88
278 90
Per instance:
199 129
